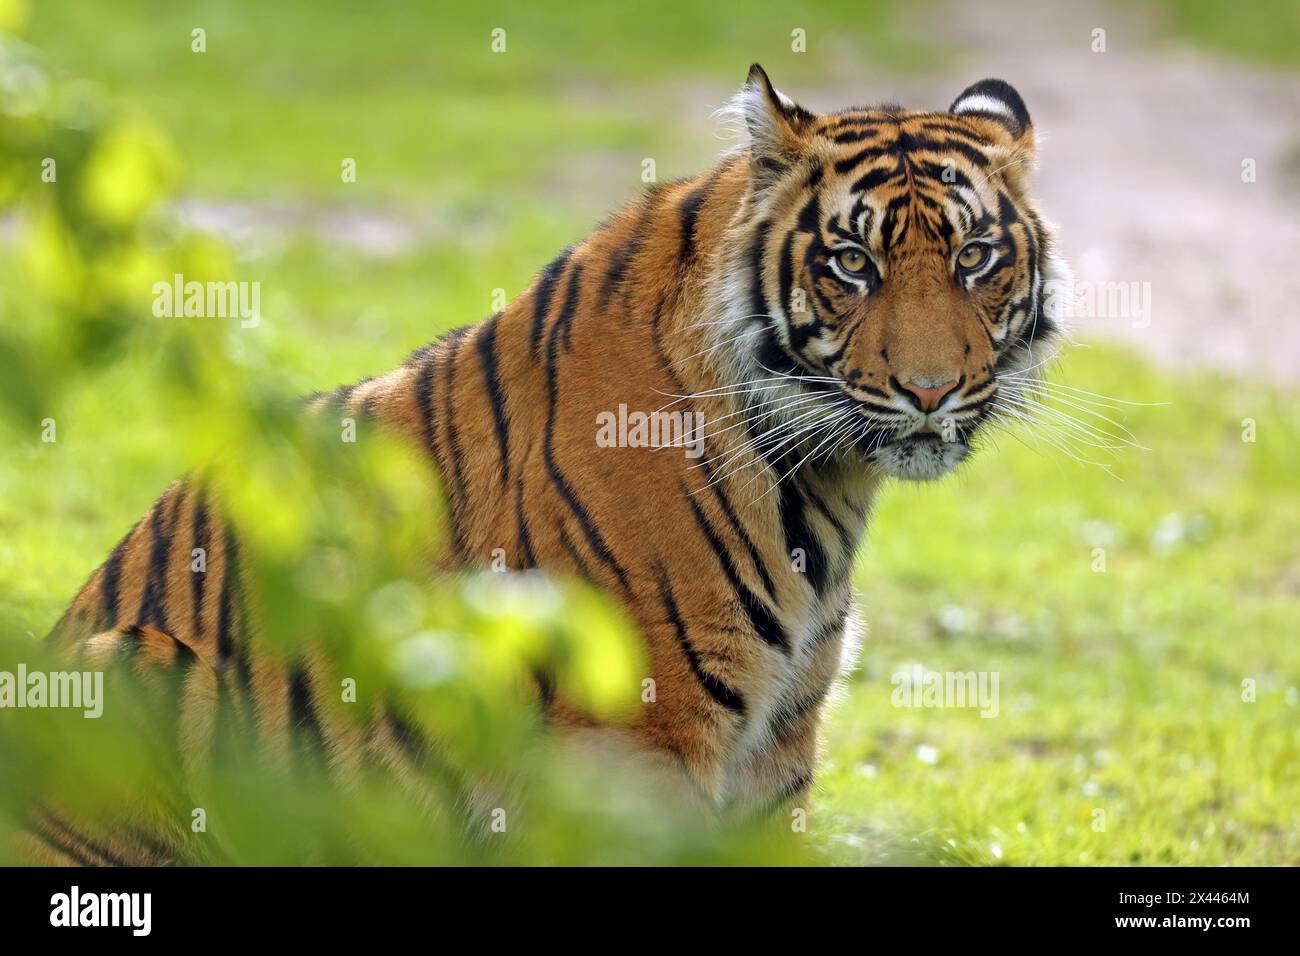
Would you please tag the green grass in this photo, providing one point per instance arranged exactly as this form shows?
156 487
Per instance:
1266 31
415 94
1120 691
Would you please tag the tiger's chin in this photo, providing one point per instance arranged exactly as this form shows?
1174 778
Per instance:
923 457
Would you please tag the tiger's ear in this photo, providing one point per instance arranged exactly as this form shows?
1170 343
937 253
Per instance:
1000 114
776 126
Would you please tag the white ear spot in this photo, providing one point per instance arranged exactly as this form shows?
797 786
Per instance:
981 103
996 99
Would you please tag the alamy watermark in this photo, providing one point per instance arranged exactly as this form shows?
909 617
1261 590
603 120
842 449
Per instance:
133 911
657 429
212 300
918 687
76 690
1084 299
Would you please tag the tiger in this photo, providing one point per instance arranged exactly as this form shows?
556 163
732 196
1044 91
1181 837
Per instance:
844 299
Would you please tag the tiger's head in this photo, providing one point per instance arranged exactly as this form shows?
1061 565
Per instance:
891 261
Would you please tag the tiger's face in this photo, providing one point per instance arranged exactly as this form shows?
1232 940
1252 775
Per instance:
900 265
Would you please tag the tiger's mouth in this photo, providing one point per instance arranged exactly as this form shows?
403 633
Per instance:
921 449
919 456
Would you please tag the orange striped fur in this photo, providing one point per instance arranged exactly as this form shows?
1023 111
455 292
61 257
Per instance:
811 297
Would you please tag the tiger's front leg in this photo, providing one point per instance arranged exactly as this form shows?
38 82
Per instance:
675 748
778 772
779 775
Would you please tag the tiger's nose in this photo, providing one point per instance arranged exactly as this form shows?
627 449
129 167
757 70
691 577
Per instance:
925 394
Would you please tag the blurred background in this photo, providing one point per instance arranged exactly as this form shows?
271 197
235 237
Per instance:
1162 689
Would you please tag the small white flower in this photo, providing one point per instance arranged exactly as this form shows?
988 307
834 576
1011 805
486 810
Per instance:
955 620
425 659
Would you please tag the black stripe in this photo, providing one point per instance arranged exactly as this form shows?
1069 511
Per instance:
758 311
971 153
688 212
545 685
492 383
152 613
846 537
861 156
229 597
65 848
424 752
1008 216
785 274
456 480
412 742
787 716
786 793
594 538
877 177
810 214
717 689
127 647
798 332
951 129
303 721
760 615
794 788
63 837
112 580
424 397
948 175
834 627
831 360
200 541
772 356
829 307
857 135
619 263
185 654
584 570
896 207
794 526
572 294
546 285
521 521
734 520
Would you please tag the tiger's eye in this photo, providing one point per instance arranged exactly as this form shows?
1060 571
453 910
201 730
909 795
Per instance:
852 260
973 256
